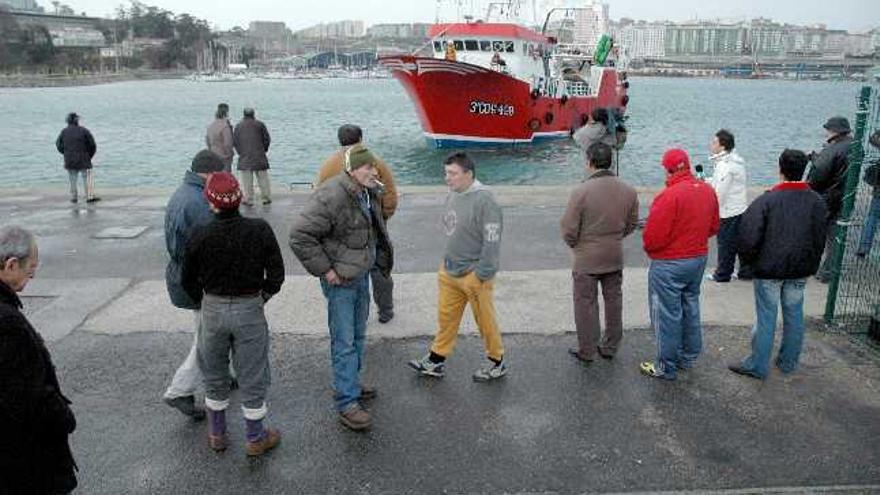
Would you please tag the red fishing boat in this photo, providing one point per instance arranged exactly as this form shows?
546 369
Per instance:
501 83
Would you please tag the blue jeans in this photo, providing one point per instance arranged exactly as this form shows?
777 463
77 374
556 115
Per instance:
867 238
674 301
348 307
768 295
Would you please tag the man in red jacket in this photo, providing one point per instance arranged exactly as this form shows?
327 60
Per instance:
682 219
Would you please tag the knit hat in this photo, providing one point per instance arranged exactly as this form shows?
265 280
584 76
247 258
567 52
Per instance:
838 124
206 162
222 191
357 156
676 159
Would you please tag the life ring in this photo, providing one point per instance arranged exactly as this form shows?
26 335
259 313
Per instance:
534 124
548 118
535 94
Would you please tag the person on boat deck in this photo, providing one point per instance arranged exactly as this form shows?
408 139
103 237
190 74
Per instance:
595 131
499 62
450 51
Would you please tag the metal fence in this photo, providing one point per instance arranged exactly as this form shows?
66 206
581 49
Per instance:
853 304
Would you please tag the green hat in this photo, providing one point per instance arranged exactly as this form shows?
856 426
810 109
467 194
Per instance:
357 156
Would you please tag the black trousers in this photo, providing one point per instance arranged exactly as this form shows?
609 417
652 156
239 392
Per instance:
727 235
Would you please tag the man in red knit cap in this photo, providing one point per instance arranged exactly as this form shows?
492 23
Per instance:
682 219
232 267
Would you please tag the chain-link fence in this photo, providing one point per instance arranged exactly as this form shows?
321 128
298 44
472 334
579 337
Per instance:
853 304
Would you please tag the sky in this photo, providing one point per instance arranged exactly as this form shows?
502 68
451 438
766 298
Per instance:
853 15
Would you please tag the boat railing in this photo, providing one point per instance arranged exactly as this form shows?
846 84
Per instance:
577 88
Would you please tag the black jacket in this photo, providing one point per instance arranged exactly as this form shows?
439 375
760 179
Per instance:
782 233
828 174
233 256
251 140
35 418
78 147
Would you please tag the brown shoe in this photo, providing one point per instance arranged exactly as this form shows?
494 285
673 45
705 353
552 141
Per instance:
368 393
218 443
269 442
355 418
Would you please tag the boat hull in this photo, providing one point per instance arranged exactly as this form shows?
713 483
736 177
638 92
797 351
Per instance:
464 105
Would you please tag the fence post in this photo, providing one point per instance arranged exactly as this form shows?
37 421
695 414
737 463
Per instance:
854 172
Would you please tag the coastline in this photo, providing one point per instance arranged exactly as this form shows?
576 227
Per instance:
72 80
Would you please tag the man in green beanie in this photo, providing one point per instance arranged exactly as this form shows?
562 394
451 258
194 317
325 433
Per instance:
339 237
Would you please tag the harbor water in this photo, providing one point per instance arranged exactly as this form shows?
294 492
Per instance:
148 131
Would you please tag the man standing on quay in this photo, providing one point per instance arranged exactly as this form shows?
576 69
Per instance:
187 211
339 237
472 225
218 137
828 178
783 232
386 193
601 212
682 219
251 140
730 182
233 266
77 145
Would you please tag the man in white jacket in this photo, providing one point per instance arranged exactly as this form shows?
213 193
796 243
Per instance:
730 183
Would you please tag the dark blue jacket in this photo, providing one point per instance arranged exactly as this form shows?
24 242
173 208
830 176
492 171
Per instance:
78 147
782 233
186 212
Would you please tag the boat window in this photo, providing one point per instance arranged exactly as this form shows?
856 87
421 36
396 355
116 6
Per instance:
486 45
471 45
509 48
459 45
438 47
497 46
525 48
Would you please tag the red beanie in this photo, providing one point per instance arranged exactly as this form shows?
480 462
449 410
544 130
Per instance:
676 159
222 191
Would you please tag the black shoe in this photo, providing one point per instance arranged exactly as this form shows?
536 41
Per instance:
187 406
386 317
74 200
267 202
739 370
93 199
577 355
605 355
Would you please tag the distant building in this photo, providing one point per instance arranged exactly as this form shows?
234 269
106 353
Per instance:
591 23
859 45
417 30
765 37
341 29
76 37
22 5
705 38
640 39
65 31
268 30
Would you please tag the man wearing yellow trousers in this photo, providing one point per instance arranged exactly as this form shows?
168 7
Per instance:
472 223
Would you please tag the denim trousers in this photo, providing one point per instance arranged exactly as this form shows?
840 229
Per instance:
674 300
348 307
768 296
867 237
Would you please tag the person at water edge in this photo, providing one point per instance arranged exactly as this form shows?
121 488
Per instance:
78 146
730 181
601 211
681 220
872 178
339 237
233 266
251 140
782 234
827 177
35 417
218 137
187 211
595 130
386 194
472 223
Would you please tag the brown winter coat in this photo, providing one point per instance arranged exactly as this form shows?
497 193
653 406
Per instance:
333 167
333 232
601 212
219 140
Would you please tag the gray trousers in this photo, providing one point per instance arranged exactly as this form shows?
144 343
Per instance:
586 312
247 182
239 324
88 182
383 287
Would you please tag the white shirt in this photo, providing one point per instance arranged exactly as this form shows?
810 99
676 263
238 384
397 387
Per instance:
730 182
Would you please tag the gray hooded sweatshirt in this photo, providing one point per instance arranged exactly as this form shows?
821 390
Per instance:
472 224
